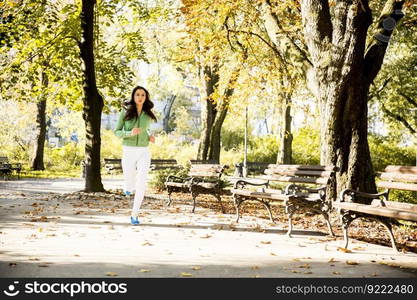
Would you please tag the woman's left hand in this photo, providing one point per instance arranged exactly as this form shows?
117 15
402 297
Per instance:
152 139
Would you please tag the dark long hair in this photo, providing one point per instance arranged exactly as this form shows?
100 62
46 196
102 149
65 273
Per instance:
130 106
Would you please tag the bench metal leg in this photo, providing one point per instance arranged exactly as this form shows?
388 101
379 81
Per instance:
193 195
290 209
325 214
388 227
348 218
268 207
237 202
329 226
220 201
169 199
169 190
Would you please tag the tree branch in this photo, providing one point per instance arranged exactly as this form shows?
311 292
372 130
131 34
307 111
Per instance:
408 98
301 51
317 27
399 118
374 57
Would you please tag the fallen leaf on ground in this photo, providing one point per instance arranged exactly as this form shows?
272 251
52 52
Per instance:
146 243
144 270
111 274
349 262
185 274
265 242
336 273
332 260
196 268
206 236
305 266
273 254
43 265
344 250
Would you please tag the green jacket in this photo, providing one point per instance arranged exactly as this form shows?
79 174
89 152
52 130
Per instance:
123 129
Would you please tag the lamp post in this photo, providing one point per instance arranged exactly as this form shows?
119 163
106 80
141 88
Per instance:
245 158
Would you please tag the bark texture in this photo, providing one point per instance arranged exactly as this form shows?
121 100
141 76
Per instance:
344 69
93 101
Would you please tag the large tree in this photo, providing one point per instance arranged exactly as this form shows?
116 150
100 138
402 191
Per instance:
344 66
93 100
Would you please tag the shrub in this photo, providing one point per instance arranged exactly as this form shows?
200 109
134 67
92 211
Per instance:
306 146
67 157
385 152
158 178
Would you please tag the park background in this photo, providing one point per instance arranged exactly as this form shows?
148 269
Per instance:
206 64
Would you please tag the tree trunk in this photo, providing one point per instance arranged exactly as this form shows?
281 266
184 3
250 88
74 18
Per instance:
215 138
344 73
215 135
93 101
285 136
37 163
210 78
167 113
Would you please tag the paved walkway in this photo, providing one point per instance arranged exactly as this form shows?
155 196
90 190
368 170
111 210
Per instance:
44 233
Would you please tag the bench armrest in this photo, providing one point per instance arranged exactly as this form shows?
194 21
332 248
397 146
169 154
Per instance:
176 178
352 193
294 188
241 183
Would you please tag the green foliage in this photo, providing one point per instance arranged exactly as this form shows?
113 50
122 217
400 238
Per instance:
306 146
403 196
385 152
68 157
169 146
111 145
158 178
263 149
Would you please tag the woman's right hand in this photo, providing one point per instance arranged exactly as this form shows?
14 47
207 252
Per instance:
135 131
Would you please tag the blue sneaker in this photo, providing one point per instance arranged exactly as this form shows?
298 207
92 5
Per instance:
134 221
127 193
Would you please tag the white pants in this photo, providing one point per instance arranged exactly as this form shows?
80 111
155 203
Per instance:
136 162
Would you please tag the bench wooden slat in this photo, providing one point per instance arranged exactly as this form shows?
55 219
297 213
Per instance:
319 180
395 204
397 185
179 184
401 169
379 211
164 161
204 162
298 173
207 167
399 177
257 194
301 167
204 174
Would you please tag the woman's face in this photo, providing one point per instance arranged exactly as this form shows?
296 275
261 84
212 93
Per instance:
139 97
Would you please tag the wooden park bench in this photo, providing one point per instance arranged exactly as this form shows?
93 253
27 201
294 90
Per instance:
6 168
201 179
253 167
379 208
298 193
112 165
115 164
